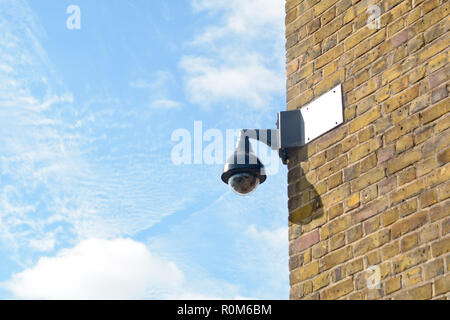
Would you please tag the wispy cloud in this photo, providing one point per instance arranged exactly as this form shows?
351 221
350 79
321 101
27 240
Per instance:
240 56
158 89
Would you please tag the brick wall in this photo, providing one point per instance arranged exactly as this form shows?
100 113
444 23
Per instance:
374 191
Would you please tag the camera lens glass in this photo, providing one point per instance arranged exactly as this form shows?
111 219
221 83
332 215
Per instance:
243 183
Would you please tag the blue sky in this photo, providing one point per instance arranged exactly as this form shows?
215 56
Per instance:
91 203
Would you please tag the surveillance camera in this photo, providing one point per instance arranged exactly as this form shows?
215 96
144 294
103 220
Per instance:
243 183
243 171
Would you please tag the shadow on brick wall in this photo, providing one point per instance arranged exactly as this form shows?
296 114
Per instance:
305 204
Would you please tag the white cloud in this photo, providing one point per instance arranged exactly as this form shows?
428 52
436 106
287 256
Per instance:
241 55
250 17
98 269
210 81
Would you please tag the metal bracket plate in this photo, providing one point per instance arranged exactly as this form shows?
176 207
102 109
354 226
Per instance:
323 114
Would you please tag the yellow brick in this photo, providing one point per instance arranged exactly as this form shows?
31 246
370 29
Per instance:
328 29
338 290
319 250
322 6
352 202
409 224
368 179
406 176
338 225
330 68
334 181
437 62
332 167
404 143
322 280
358 37
433 269
336 195
433 49
403 161
329 56
337 257
408 191
409 242
412 277
391 74
331 138
411 259
390 250
292 67
371 242
300 100
354 266
442 285
364 150
305 272
438 176
441 247
402 128
419 293
436 111
369 162
330 82
354 233
401 99
363 91
428 198
389 217
392 285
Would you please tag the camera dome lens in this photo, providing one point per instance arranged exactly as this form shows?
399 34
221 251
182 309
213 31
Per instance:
243 183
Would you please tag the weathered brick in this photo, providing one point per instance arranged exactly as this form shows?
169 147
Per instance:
371 242
408 191
440 247
409 224
428 198
442 285
390 250
419 293
364 149
336 257
406 176
322 280
338 290
304 242
392 285
403 161
436 111
409 260
371 177
332 167
400 99
305 272
402 128
354 233
354 266
410 241
389 217
411 277
364 120
433 269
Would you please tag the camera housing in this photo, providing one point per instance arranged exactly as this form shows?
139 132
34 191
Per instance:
243 171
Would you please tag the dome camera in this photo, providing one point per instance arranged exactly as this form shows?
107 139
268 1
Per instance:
243 171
